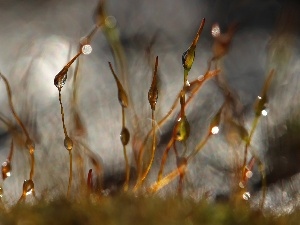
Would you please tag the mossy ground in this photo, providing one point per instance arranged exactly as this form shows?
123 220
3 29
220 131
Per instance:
127 209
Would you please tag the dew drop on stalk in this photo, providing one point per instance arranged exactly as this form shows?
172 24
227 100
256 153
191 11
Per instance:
68 143
215 130
1 192
124 136
30 145
28 187
246 196
60 78
264 112
215 30
86 49
183 129
249 174
6 169
242 184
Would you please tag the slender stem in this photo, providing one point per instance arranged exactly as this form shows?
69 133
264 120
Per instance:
31 166
164 158
126 184
166 180
62 113
153 149
199 83
12 106
70 175
254 125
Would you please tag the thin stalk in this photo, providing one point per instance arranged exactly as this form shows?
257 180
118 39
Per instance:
70 174
62 112
153 148
127 167
12 106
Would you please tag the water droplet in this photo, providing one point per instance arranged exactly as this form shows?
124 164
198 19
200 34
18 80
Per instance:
30 145
249 174
1 192
110 21
60 78
87 49
124 136
6 169
68 143
28 187
242 184
187 83
215 30
264 112
183 129
215 130
246 196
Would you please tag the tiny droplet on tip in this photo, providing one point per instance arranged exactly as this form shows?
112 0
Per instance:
86 49
215 30
215 130
246 196
249 174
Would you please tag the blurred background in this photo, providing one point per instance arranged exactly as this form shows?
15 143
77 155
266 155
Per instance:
38 38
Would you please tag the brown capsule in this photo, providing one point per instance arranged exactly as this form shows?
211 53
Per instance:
28 187
152 97
124 136
189 55
153 91
122 96
68 143
6 169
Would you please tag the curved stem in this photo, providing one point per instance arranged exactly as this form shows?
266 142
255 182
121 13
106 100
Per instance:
12 106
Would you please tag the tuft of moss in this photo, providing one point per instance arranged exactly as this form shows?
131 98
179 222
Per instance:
128 209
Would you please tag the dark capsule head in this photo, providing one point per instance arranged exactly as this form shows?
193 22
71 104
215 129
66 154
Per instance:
28 187
122 97
68 143
188 59
6 169
124 136
152 97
